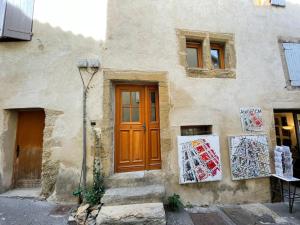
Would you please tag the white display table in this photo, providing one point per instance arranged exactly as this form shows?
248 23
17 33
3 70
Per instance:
287 193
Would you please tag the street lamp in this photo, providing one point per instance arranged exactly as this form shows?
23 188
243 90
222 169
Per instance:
91 66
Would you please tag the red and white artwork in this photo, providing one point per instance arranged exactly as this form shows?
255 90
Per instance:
251 119
199 158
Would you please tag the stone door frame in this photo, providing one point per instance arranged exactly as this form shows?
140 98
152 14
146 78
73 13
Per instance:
110 78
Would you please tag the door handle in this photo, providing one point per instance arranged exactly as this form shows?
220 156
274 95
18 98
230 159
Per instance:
144 126
18 151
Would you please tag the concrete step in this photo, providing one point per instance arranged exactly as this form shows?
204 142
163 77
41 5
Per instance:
133 195
134 179
134 214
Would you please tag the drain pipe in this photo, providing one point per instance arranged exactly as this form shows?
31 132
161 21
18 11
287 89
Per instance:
91 66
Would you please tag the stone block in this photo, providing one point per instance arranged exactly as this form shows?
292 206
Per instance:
136 214
133 195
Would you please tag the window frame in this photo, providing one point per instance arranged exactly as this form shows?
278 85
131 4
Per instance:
197 45
205 38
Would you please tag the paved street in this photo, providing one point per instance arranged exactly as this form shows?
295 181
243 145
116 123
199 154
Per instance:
22 211
25 211
249 214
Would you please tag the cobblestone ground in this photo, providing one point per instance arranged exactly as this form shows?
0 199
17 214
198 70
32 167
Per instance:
21 211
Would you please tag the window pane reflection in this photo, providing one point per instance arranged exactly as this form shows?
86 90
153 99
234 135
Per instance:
215 58
125 98
135 114
135 99
192 57
153 106
126 114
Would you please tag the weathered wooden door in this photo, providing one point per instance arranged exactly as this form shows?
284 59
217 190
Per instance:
137 145
29 146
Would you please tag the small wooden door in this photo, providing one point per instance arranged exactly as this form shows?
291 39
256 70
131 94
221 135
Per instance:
137 128
29 146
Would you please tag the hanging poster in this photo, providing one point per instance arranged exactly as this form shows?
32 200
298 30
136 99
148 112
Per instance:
199 158
249 156
251 119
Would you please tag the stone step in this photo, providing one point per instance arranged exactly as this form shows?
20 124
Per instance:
133 195
134 214
134 179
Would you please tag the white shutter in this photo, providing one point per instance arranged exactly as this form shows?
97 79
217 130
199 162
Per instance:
18 19
292 56
2 14
278 3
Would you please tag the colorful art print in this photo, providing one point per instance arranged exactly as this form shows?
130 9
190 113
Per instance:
199 159
249 156
251 119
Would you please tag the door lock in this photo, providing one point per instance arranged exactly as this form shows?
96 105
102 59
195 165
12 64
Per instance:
144 126
18 151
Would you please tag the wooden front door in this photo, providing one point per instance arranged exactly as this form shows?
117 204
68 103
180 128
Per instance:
29 146
137 145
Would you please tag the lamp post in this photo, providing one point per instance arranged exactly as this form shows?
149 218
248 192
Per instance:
91 66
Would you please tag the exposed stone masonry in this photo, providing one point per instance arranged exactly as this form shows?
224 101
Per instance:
50 167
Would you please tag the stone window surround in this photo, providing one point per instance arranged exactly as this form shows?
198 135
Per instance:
284 63
112 77
206 39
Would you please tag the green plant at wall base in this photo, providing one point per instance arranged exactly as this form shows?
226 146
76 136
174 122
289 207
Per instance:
174 202
93 193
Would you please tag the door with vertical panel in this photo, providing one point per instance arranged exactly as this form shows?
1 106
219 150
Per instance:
29 148
137 145
153 129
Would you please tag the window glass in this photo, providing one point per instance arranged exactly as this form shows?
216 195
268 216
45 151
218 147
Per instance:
215 58
125 114
192 57
135 99
196 130
125 99
135 114
153 106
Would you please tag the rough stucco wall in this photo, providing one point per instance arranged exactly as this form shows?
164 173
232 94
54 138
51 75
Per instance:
43 73
142 36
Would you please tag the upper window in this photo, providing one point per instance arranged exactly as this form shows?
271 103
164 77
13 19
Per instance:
280 3
292 59
207 55
16 19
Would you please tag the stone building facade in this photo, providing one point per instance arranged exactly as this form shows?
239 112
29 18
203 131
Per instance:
146 44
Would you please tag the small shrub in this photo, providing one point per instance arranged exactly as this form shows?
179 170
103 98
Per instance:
174 202
94 193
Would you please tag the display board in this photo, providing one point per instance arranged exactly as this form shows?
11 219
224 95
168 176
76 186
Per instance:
199 158
251 119
249 156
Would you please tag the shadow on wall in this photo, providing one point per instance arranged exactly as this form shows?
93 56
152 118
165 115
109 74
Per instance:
43 73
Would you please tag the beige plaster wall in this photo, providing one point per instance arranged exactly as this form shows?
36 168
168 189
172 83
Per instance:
43 73
142 36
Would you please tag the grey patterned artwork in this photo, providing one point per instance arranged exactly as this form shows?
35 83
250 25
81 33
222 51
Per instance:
249 156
